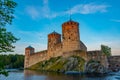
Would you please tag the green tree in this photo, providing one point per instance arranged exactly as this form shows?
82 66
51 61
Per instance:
12 60
6 11
2 70
6 38
106 50
6 16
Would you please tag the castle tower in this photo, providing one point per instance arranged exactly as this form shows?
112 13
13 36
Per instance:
29 50
53 39
70 36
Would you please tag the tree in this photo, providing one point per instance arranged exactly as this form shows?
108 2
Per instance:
6 16
6 11
12 60
2 70
106 50
6 38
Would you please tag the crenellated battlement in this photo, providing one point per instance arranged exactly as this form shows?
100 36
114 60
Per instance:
73 23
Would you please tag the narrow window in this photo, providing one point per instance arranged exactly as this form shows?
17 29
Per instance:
69 37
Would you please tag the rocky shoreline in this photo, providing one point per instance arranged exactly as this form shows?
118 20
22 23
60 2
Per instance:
71 65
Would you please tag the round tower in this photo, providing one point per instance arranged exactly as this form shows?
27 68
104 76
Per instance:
53 39
70 36
28 50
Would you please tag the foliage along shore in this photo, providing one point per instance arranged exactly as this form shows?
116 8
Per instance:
12 61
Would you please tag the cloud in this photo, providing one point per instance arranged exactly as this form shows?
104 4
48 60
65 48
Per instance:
45 11
45 2
88 8
36 12
32 11
115 20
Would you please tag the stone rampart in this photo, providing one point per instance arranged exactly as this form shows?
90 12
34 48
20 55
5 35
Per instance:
76 53
82 46
37 57
99 56
114 63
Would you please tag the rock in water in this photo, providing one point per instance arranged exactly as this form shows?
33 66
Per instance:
95 67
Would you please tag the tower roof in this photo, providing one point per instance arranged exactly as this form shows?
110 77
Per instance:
54 33
71 21
30 47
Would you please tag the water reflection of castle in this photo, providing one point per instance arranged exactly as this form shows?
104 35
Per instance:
69 45
37 75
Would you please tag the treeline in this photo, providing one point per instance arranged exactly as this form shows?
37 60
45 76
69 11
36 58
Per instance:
12 60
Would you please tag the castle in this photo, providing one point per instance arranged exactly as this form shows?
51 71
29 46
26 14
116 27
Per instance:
68 46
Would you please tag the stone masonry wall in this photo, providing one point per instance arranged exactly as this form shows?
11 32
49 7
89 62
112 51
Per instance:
114 63
37 57
82 46
55 51
99 56
70 36
76 53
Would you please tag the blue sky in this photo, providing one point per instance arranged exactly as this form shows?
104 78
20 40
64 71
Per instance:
35 19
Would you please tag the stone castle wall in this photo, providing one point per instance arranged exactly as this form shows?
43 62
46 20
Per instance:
114 63
34 58
56 51
76 53
37 57
82 46
99 56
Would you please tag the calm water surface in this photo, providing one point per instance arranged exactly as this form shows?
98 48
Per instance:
35 75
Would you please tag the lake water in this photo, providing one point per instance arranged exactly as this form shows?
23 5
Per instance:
35 75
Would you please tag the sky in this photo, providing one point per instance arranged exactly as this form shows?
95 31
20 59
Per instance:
35 19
